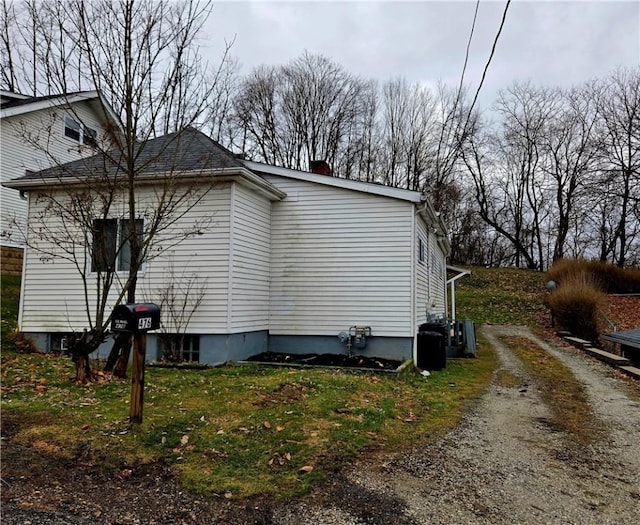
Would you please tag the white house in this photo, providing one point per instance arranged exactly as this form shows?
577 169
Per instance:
38 132
288 260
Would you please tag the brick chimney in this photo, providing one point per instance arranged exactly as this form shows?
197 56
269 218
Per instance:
321 167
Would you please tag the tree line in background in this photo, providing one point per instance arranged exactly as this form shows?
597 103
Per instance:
544 173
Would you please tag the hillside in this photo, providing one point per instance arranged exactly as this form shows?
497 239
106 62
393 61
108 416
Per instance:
514 296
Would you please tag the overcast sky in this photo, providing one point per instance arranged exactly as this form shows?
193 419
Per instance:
549 42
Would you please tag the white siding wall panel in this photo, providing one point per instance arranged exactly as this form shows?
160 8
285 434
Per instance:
53 298
339 258
438 277
251 261
203 257
45 128
430 275
423 296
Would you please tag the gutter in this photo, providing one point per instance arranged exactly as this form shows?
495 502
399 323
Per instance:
247 177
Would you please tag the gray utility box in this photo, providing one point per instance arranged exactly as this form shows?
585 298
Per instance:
135 318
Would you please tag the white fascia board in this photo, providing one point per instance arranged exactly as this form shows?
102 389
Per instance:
49 103
240 175
13 94
363 187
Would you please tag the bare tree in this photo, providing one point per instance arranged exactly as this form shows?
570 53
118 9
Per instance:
306 110
570 153
618 98
179 298
143 58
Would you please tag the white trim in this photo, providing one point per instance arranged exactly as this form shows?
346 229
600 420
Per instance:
49 103
363 187
461 273
242 175
13 94
232 205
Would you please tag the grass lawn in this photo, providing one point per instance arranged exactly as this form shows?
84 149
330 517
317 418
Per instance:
235 430
502 296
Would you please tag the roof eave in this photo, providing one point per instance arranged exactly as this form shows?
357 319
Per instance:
247 177
49 103
337 182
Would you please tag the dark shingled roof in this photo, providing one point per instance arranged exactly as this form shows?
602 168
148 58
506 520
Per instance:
30 100
184 151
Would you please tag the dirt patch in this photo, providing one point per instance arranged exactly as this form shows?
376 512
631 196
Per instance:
285 393
337 360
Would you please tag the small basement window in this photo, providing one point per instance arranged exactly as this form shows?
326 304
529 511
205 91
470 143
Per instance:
180 348
58 342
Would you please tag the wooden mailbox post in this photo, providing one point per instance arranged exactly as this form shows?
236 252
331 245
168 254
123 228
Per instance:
136 319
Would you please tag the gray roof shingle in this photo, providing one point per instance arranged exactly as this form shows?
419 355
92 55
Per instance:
185 151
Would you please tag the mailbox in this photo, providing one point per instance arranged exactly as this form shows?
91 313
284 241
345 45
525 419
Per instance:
136 317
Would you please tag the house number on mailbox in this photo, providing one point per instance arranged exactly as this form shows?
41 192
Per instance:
144 323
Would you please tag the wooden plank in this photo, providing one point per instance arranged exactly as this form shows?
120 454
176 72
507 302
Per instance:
576 341
607 356
632 371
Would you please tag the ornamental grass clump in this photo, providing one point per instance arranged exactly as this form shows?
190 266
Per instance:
577 305
609 278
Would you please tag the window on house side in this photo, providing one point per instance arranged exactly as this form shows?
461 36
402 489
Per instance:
124 257
420 250
104 245
71 129
108 235
89 136
84 134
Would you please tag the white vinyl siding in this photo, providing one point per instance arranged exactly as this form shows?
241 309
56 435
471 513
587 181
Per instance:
339 258
430 276
205 257
45 128
438 277
53 299
251 241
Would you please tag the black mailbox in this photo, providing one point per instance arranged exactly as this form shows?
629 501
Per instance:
136 317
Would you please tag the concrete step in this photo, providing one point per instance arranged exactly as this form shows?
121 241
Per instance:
632 371
608 357
576 341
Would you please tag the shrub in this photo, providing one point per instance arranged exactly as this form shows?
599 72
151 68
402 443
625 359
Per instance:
576 305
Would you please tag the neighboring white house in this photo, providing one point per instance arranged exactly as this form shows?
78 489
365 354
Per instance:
38 132
289 259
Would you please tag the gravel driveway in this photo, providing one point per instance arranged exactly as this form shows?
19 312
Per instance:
502 465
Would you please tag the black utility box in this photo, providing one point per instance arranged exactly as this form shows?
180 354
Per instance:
432 350
136 317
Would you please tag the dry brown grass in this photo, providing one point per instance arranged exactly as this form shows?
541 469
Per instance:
607 277
560 390
577 305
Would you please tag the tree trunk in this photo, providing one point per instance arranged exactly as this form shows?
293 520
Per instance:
83 370
123 361
121 340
